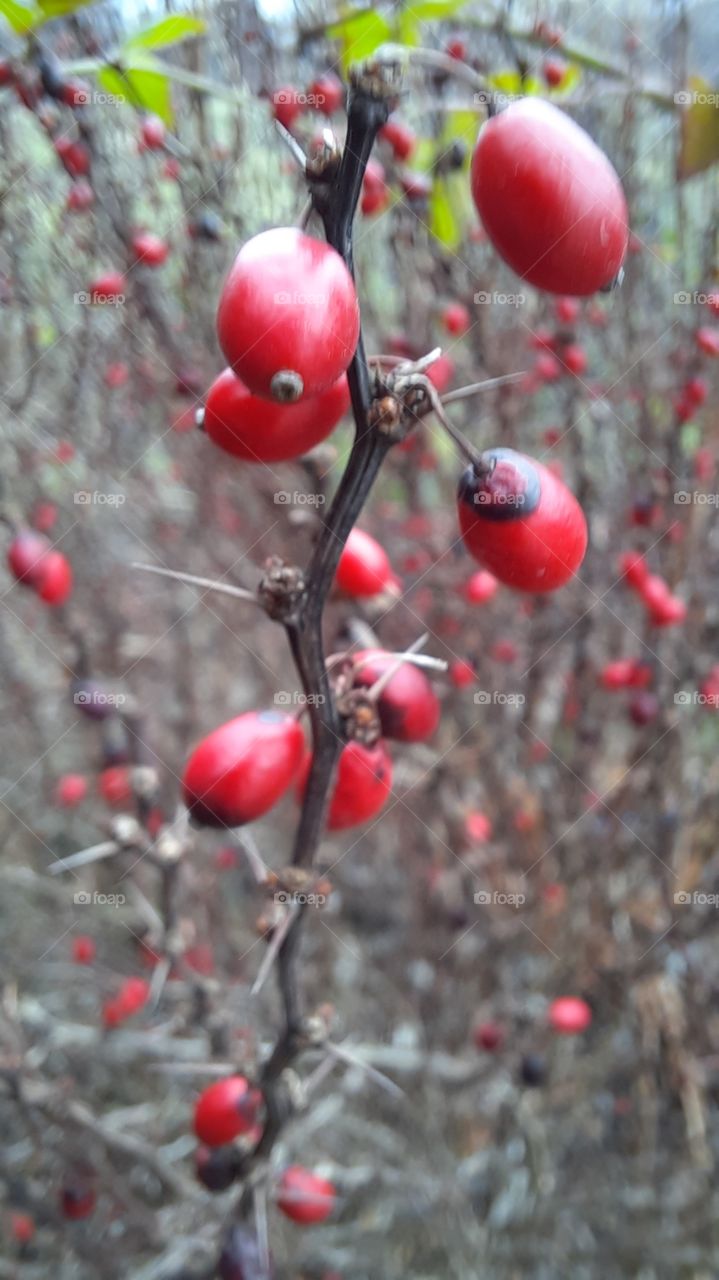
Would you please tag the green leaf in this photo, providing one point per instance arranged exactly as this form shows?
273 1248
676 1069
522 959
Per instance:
361 33
20 18
169 31
442 221
427 10
144 86
58 8
700 129
691 438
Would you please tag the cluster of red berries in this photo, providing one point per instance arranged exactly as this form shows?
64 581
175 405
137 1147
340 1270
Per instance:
36 564
663 607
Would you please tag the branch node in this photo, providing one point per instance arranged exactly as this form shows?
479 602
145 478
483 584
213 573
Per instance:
281 591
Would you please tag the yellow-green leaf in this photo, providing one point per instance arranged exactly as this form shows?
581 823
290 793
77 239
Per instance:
169 31
20 18
700 128
427 10
59 8
144 87
361 33
442 221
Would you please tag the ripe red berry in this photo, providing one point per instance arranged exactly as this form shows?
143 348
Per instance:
707 341
696 391
569 1015
56 579
288 319
26 557
456 318
362 785
457 49
80 196
462 673
22 1227
481 587
326 94
241 769
226 1110
567 310
554 72
364 568
83 949
549 199
489 1036
478 827
286 106
441 373
574 359
148 249
408 707
375 192
633 567
399 137
153 133
108 287
77 1200
115 785
304 1196
70 790
74 155
547 367
521 522
625 673
258 430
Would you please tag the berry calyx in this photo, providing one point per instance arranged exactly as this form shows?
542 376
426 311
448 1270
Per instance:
364 568
549 199
305 1197
225 1110
288 319
521 522
408 707
242 769
256 430
569 1015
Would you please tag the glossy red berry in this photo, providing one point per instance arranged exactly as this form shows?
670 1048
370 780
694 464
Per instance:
288 319
549 199
153 133
364 568
115 785
375 192
286 106
74 155
258 430
362 785
70 790
481 587
633 568
574 359
80 196
241 769
489 1036
441 373
56 580
408 707
225 1110
456 318
625 673
108 287
569 1015
521 522
399 137
707 341
83 949
326 94
554 72
148 249
26 557
462 673
304 1196
478 827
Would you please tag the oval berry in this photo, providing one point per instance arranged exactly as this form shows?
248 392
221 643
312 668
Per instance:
225 1110
241 769
521 522
56 579
569 1015
26 557
362 786
549 199
288 320
364 568
257 430
408 707
304 1196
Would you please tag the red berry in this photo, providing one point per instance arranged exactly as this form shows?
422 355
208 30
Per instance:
362 785
326 94
74 155
22 1227
148 249
567 310
547 367
549 199
7 73
153 133
83 949
225 1110
441 373
115 785
478 827
489 1036
26 557
80 196
258 430
116 375
668 612
364 568
696 391
288 319
171 169
462 673
481 587
569 1015
574 359
375 192
456 318
108 287
625 673
70 790
77 1201
44 516
521 522
408 706
286 106
304 1196
243 768
554 72
634 568
56 579
416 186
75 93
707 341
456 49
399 137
